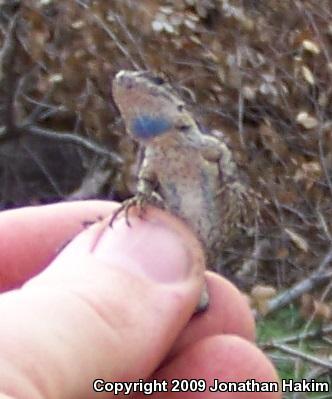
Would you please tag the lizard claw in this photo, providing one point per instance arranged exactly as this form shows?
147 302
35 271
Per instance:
140 200
125 207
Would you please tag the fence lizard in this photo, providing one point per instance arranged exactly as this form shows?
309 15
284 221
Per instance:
193 173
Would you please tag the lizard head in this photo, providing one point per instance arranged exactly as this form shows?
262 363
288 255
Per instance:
150 108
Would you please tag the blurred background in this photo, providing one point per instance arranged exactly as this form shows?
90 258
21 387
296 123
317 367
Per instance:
259 71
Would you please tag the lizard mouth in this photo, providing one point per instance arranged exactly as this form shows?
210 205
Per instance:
124 79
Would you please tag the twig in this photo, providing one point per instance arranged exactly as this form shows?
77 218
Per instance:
8 78
66 137
240 99
316 279
296 212
131 37
326 261
43 169
324 225
316 333
320 276
110 33
41 106
8 83
298 354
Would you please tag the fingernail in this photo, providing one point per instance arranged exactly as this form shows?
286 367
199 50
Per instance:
149 246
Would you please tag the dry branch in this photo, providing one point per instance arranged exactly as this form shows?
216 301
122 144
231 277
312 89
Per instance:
9 128
8 78
298 354
317 278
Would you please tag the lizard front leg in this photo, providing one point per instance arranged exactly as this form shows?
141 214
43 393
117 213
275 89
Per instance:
146 186
145 194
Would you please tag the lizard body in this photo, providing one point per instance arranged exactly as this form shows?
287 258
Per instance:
193 173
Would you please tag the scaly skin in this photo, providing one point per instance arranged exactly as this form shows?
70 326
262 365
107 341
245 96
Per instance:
193 173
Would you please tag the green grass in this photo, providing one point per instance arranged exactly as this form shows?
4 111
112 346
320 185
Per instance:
288 322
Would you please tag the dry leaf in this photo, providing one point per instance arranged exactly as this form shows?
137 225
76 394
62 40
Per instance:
249 92
309 172
263 292
311 46
78 24
312 168
55 78
322 310
260 295
310 307
307 74
298 240
306 120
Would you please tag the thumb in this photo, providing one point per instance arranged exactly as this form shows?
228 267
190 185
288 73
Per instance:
109 307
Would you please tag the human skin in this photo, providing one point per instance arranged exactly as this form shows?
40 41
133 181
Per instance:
100 308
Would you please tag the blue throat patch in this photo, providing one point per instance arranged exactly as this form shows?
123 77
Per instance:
146 126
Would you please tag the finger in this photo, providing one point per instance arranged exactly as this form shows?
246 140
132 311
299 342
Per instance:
228 313
217 361
31 237
110 306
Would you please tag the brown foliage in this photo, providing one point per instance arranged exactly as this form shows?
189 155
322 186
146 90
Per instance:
258 70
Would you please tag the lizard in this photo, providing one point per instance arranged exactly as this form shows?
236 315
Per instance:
191 173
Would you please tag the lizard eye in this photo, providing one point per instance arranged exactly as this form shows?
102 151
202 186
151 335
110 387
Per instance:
157 80
184 128
180 107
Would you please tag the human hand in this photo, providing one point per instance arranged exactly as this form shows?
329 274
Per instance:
115 305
